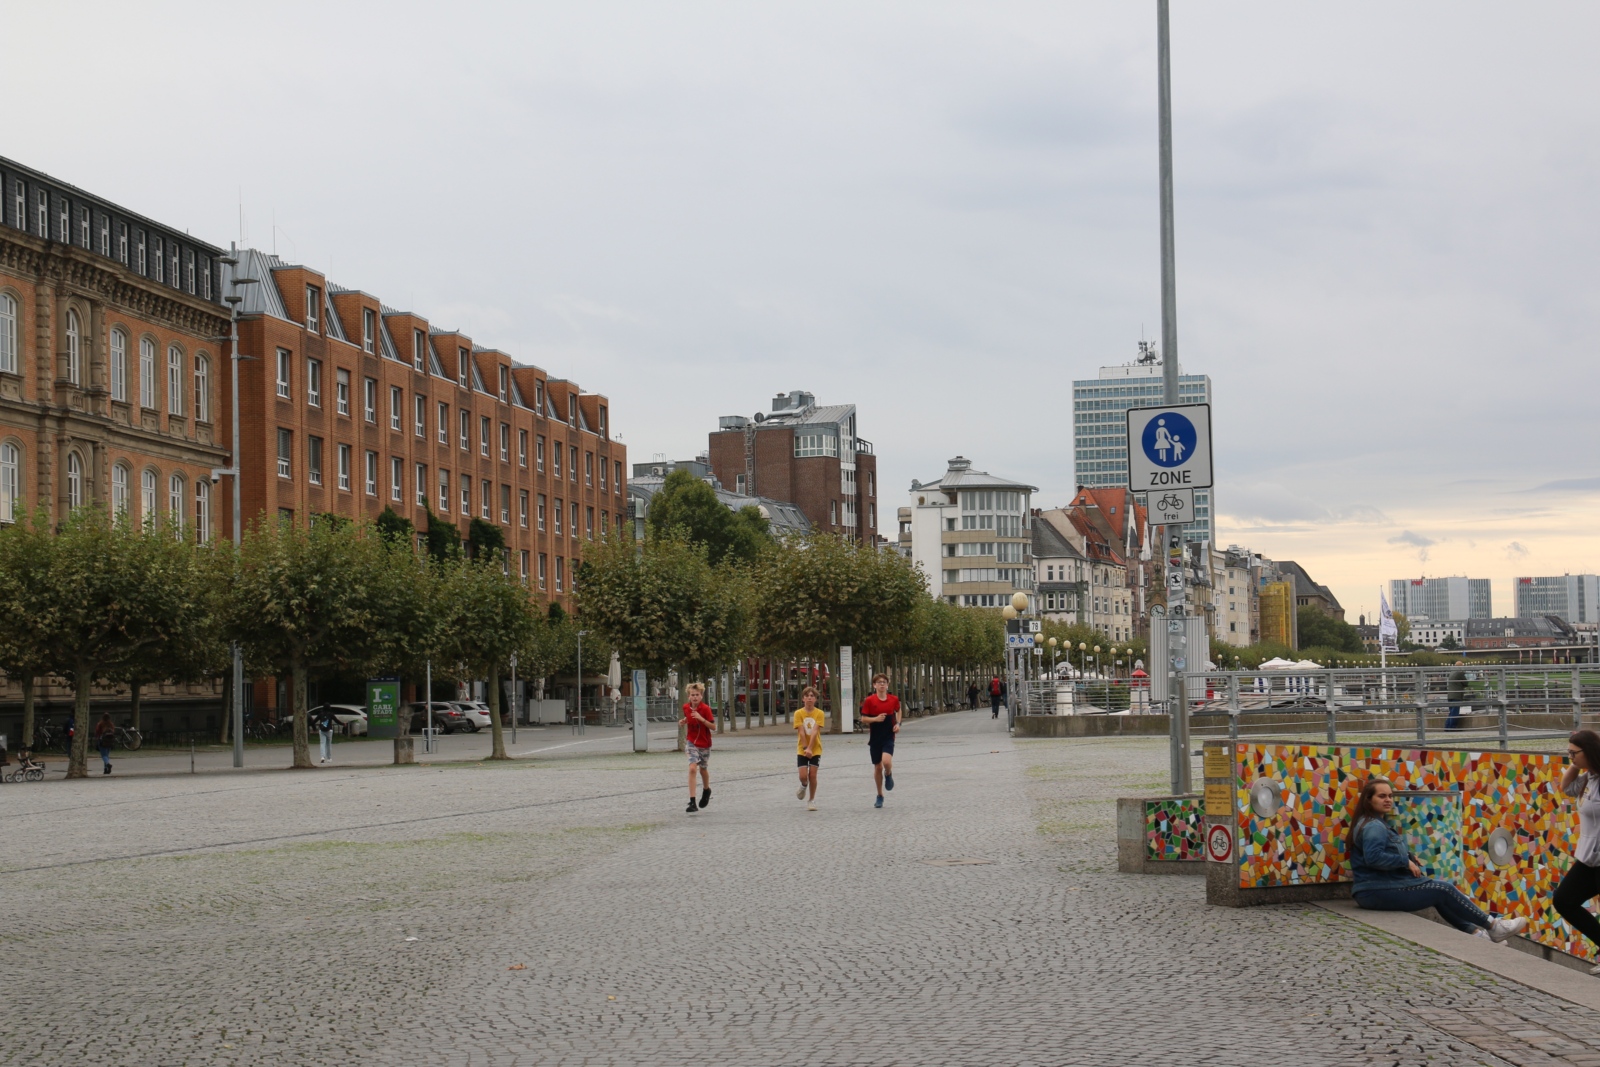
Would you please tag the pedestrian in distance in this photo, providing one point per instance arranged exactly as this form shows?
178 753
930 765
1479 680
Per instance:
105 732
972 697
808 723
698 720
1456 694
1388 879
1581 883
997 696
325 724
881 712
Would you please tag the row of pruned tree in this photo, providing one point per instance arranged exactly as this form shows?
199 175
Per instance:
103 600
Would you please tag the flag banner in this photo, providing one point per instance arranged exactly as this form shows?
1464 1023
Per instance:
1388 632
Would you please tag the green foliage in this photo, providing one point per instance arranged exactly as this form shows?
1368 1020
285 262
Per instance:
829 591
1320 630
663 605
689 506
1402 624
25 653
1449 644
485 540
395 527
443 539
484 617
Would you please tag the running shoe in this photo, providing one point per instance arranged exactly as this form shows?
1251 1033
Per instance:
1504 928
879 802
1595 970
888 781
705 797
813 807
800 794
693 807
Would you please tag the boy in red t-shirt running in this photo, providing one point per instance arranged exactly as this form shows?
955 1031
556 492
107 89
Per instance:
698 721
881 711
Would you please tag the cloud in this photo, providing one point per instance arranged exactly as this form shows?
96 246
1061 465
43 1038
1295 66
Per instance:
1516 550
1408 538
1579 484
1272 504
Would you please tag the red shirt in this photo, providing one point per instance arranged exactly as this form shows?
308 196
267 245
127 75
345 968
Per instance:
887 706
695 732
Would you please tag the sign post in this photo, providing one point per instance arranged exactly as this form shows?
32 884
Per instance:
847 690
1169 457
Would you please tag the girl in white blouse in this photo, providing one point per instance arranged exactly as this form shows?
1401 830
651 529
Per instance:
1582 880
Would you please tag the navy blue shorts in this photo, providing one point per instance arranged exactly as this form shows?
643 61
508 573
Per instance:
878 744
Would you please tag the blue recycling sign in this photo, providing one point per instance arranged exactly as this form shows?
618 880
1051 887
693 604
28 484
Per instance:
1174 447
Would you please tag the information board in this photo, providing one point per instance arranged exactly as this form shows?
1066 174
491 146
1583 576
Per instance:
383 707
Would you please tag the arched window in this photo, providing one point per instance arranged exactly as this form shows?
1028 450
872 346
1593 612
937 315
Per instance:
119 365
74 349
8 333
10 481
202 509
119 489
74 480
202 389
147 373
175 501
147 497
175 381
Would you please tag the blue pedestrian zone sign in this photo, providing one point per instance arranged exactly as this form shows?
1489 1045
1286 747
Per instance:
1174 447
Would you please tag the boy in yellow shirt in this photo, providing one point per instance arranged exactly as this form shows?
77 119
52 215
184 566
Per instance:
808 724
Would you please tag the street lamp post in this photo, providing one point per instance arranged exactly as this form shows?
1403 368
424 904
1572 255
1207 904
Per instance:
233 300
581 634
513 698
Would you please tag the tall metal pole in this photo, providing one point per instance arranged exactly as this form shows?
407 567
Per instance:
580 680
233 298
1169 283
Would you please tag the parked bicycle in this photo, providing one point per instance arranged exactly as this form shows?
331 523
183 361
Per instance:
129 737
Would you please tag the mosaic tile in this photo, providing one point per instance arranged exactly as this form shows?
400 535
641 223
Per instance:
1174 828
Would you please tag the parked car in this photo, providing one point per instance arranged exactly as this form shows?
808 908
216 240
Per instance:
352 717
446 719
476 713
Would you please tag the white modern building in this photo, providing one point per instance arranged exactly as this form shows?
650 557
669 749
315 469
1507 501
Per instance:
971 533
1430 634
1100 425
1574 597
1441 599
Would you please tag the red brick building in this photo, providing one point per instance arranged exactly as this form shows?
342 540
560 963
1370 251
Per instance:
349 406
806 454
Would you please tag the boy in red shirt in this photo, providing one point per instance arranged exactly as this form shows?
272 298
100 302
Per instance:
881 711
698 721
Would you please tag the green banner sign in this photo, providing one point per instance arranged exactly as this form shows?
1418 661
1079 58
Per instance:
383 707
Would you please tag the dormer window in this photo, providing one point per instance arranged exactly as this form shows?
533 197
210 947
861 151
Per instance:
461 367
538 396
602 420
313 299
419 345
572 409
505 379
369 329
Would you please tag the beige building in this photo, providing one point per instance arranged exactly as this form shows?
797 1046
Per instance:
971 534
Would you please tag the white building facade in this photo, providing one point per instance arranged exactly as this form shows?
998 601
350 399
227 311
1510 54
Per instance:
1574 597
971 533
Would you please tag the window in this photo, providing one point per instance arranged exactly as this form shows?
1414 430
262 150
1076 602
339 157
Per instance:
83 227
466 496
833 512
174 380
188 269
505 379
202 510
119 489
344 467
419 414
314 382
444 491
617 482
505 443
485 497
522 508
74 348
522 448
161 261
369 399
461 367
122 242
372 473
561 508
538 396
74 480
63 236
202 389
588 523
10 481
466 431
816 444
538 453
505 504
444 424
395 397
147 497
543 559
483 435
341 391
283 373
573 526
369 330
314 460
523 567
541 513
313 299
119 357
422 485
175 501
8 333
602 474
602 420
588 468
573 466
872 516
285 453
396 472
419 345
559 568
605 524
572 408
21 206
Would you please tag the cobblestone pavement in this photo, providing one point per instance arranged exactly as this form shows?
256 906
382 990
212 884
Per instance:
568 912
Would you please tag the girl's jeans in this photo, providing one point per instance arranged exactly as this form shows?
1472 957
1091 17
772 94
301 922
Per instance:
1452 904
327 744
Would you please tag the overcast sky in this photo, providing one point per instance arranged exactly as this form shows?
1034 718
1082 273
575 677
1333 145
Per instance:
942 213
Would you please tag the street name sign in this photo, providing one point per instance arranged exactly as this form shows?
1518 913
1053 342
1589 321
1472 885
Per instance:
1169 448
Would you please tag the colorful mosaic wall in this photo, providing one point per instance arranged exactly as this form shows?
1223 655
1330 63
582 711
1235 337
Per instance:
1515 826
1431 824
1174 828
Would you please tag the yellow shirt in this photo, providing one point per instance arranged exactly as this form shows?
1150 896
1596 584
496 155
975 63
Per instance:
809 727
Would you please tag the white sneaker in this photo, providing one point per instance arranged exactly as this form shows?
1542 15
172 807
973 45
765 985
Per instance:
1595 970
1481 932
1504 928
800 794
813 807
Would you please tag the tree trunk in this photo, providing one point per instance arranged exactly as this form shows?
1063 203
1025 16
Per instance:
78 762
27 712
499 731
225 734
135 695
302 737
